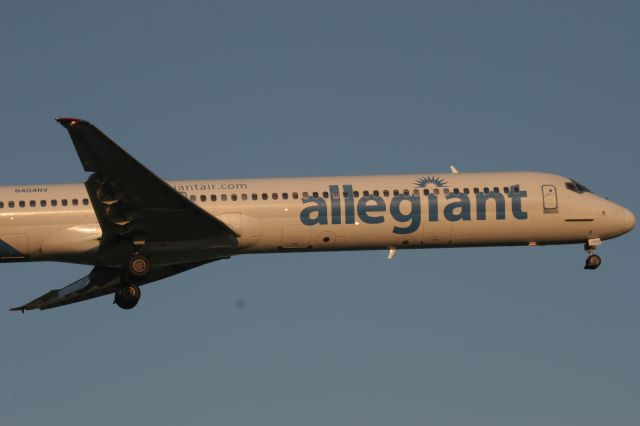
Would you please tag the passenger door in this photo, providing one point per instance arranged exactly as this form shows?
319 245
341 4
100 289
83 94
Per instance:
549 198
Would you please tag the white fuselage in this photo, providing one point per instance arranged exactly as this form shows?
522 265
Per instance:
57 222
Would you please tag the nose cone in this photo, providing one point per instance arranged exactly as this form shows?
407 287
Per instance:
629 220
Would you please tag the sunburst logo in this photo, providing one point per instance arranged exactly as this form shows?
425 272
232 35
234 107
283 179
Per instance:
430 182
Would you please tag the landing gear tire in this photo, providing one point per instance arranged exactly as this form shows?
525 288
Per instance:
593 262
139 266
127 296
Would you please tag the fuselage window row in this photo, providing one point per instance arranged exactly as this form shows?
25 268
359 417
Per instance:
285 196
355 194
43 203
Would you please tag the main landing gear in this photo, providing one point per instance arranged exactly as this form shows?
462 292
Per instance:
127 296
128 293
139 266
593 260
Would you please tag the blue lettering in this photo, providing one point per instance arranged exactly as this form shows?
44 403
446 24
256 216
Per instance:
349 217
464 212
364 208
334 195
433 207
319 210
404 209
516 205
481 200
413 216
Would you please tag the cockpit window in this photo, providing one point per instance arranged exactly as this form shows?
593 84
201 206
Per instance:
576 187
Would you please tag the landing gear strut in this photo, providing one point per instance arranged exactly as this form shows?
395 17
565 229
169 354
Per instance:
127 296
139 266
593 260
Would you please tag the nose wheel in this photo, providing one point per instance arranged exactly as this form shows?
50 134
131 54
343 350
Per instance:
593 260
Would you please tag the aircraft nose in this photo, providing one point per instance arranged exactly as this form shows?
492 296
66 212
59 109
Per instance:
629 220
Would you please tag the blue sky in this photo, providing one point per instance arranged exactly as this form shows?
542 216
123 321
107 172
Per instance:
494 336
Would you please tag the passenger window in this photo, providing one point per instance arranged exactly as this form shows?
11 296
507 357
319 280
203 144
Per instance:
32 203
74 201
486 190
385 192
506 189
274 195
405 192
456 191
244 197
516 189
315 195
21 204
265 196
476 191
446 191
356 194
43 203
294 195
396 192
85 202
285 196
234 197
214 197
223 197
466 190
425 191
436 191
365 193
1 204
254 197
54 203
192 197
305 195
496 190
203 198
336 195
12 204
325 194
376 193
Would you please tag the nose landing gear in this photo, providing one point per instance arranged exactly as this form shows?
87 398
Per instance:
593 260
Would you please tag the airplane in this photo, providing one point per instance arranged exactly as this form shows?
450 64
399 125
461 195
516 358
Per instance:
135 228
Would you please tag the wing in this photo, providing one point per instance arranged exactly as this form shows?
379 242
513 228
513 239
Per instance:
132 203
99 282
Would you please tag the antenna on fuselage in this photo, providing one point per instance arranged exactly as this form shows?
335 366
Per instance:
454 170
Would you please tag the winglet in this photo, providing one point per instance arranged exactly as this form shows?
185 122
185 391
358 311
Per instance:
69 122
